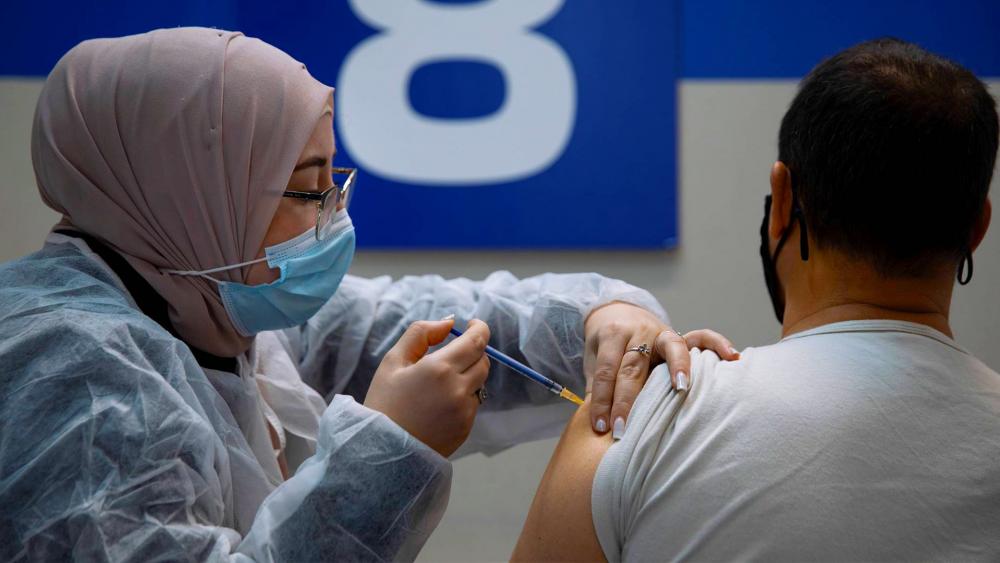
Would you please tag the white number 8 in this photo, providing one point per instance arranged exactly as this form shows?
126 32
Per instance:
524 137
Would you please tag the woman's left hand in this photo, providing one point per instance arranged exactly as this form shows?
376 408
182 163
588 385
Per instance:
615 375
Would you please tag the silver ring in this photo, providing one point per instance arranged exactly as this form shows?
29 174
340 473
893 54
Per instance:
481 395
643 349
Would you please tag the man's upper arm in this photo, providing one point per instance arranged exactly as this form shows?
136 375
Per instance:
560 524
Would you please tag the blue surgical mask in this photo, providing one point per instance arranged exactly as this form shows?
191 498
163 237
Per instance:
311 271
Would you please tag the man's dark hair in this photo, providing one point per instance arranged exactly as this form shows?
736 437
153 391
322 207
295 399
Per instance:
891 151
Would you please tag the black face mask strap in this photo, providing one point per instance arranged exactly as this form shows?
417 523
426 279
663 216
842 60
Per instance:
965 274
804 235
797 215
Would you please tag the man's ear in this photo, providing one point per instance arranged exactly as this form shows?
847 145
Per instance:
781 200
982 225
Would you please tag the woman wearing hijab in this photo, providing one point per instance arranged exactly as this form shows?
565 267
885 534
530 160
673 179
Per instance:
152 408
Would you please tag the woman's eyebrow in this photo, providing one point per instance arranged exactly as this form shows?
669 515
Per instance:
310 162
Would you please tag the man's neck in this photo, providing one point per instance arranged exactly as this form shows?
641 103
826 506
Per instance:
829 293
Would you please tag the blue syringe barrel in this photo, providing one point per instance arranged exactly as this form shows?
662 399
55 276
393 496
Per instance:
518 367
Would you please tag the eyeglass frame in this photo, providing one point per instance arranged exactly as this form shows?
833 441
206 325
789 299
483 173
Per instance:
343 194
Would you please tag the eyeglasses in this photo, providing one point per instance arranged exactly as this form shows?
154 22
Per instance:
324 209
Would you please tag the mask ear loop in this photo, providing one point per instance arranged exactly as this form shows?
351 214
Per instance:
801 218
965 276
204 273
804 235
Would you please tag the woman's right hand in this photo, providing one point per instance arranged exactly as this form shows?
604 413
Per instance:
433 396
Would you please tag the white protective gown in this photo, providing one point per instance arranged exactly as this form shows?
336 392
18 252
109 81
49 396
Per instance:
117 445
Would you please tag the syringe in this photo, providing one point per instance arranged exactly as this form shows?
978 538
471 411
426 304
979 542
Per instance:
528 372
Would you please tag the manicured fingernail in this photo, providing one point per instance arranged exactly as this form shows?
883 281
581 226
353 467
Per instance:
449 317
682 381
619 430
734 351
602 426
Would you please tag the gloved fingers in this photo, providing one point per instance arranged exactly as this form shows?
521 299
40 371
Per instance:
706 339
463 352
674 350
631 377
418 338
610 349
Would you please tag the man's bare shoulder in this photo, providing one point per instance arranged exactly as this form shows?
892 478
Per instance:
560 526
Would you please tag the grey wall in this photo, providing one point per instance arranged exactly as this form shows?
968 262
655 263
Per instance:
728 142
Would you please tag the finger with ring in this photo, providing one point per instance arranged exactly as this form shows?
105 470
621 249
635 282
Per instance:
481 395
643 349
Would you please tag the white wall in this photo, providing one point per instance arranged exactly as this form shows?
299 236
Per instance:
728 142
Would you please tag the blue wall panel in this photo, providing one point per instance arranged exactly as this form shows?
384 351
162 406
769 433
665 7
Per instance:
611 183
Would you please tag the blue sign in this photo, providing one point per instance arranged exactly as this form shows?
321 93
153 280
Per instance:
519 123
500 124
727 39
510 124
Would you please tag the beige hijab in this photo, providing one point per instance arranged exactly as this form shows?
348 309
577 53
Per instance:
173 147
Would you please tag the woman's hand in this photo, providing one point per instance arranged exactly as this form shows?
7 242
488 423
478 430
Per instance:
433 396
615 375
